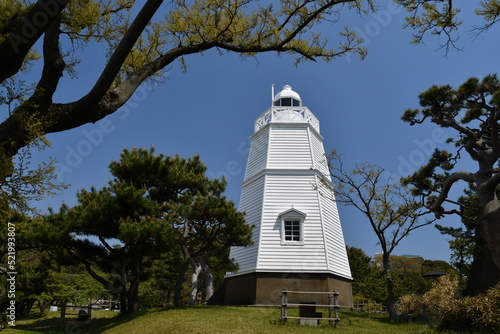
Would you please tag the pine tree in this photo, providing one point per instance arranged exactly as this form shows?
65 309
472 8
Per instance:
154 204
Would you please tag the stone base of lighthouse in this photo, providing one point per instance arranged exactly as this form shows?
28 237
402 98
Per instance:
266 288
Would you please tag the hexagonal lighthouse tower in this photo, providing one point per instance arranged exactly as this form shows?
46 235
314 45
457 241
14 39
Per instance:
288 197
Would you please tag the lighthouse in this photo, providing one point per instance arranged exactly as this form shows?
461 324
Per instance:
288 198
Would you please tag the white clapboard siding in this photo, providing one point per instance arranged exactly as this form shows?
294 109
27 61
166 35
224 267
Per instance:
251 202
318 152
282 193
337 256
257 157
289 146
287 169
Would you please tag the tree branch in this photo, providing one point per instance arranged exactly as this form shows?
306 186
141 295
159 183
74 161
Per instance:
311 17
53 67
495 137
445 189
494 181
18 42
103 100
121 52
472 140
88 266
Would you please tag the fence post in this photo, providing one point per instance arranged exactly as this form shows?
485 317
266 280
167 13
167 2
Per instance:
284 305
63 314
330 300
282 315
336 306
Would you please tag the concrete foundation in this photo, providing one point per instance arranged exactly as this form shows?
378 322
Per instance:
266 288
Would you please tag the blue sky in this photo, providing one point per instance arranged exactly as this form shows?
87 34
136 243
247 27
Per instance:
210 110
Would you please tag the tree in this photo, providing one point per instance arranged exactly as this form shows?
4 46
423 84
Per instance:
472 112
463 238
19 182
143 48
407 275
368 281
207 225
438 265
154 205
389 207
442 18
71 284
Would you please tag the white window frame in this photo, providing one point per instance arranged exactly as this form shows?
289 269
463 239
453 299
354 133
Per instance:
292 215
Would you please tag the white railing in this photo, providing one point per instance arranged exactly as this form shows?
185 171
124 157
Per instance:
287 114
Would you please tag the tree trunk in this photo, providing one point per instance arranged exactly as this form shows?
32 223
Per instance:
390 302
24 308
485 269
135 280
123 291
178 284
43 306
194 282
133 295
209 281
133 299
123 302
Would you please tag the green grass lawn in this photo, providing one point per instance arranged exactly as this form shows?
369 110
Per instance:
211 319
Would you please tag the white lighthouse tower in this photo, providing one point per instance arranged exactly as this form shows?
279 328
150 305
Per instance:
287 195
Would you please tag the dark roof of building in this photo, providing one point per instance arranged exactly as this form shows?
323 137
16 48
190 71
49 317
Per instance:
435 273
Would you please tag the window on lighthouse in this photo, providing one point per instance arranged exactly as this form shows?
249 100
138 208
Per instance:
292 227
292 230
287 102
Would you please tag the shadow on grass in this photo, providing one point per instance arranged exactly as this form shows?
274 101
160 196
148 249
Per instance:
39 322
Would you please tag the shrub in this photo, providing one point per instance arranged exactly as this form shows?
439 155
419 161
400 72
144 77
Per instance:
483 311
410 304
444 306
439 301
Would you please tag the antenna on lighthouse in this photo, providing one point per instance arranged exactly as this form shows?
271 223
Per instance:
272 94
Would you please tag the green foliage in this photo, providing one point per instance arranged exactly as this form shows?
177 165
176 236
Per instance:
471 113
468 110
462 247
72 284
155 205
239 25
463 238
368 280
434 17
359 262
407 275
19 182
32 267
442 18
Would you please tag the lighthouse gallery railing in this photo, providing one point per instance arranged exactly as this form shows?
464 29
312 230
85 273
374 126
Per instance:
287 114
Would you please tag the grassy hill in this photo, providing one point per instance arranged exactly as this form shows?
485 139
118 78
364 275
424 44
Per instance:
211 320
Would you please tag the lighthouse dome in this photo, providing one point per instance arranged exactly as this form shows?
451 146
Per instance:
287 98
